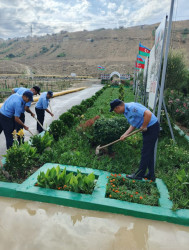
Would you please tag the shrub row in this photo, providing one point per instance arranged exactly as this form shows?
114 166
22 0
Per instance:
68 119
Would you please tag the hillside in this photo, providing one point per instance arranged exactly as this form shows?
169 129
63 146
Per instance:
81 52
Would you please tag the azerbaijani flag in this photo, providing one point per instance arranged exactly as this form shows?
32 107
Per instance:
100 67
143 51
139 65
140 60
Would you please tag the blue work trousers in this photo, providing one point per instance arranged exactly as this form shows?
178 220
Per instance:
7 125
40 117
147 153
19 126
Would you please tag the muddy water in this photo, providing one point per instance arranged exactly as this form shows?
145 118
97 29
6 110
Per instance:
27 225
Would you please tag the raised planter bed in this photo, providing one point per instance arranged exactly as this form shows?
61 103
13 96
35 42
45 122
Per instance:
97 200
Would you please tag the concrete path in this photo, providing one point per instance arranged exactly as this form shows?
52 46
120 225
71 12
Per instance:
59 105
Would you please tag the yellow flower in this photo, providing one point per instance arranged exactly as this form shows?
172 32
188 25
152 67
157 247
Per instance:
21 133
14 134
82 116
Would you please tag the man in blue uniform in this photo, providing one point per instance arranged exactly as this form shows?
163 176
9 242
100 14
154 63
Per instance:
41 107
10 113
139 116
35 90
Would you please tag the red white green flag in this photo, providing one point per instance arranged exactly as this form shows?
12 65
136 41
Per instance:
143 51
140 60
139 65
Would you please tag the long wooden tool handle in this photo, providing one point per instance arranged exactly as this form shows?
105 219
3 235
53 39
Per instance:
39 122
30 132
51 110
136 131
110 143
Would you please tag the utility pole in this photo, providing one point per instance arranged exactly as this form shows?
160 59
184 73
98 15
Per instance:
31 30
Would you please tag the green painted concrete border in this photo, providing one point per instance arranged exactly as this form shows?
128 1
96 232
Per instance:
181 132
97 200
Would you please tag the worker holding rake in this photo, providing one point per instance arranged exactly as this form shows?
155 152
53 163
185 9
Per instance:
142 118
10 114
41 107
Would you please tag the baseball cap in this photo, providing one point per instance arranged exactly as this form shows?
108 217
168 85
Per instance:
114 103
50 93
29 94
37 89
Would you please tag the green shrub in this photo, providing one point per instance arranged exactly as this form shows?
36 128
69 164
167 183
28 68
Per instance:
125 82
43 50
41 142
68 119
121 92
88 102
108 130
58 129
20 159
61 55
75 111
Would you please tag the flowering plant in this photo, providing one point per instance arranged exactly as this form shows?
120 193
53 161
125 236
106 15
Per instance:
121 188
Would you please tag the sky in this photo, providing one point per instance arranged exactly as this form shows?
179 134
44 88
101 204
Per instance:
21 18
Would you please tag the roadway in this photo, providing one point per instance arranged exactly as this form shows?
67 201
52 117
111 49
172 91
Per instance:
59 105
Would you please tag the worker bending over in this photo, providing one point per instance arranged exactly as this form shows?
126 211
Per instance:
139 116
41 107
10 113
35 90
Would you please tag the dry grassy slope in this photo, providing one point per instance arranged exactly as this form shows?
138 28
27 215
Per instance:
114 49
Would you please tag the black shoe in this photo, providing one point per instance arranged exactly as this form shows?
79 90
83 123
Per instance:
134 176
153 178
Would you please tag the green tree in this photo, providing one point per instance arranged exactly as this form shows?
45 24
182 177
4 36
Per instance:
176 73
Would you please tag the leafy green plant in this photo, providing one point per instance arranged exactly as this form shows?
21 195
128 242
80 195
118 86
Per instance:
20 159
61 54
108 130
68 119
57 129
75 111
56 179
183 178
121 92
41 142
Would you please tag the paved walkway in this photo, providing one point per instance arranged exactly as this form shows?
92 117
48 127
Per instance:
59 105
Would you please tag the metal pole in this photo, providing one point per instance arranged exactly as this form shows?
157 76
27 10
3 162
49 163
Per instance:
134 79
165 61
136 88
169 123
164 71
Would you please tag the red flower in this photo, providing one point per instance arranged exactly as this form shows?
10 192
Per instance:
131 195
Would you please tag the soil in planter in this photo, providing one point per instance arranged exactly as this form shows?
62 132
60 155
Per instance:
142 192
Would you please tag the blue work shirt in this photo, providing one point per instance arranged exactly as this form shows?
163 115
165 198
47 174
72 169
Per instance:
20 91
134 113
43 102
13 106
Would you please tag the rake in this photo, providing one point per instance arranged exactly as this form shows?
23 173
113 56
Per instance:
99 147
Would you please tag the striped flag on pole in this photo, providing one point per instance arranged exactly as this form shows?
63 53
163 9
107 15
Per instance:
143 51
140 60
139 65
100 67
